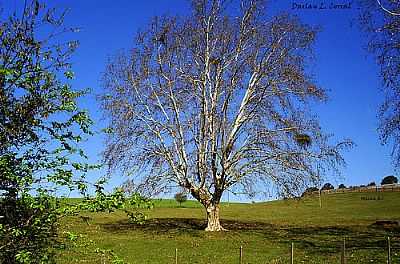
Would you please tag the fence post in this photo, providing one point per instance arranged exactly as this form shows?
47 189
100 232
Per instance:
320 201
292 253
241 255
343 256
176 256
389 259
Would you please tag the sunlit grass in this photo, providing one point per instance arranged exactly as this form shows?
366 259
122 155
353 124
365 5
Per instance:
265 230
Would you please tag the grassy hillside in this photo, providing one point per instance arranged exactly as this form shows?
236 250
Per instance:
265 230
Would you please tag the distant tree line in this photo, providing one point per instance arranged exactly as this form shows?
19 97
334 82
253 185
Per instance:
328 186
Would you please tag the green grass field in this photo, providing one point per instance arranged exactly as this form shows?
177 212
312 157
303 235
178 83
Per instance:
265 230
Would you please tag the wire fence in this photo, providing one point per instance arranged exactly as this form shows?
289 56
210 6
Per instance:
344 253
395 187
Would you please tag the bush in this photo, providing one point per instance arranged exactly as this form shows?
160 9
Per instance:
136 217
180 197
28 217
309 191
327 186
389 180
342 186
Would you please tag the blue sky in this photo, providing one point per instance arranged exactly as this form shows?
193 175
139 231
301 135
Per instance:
342 66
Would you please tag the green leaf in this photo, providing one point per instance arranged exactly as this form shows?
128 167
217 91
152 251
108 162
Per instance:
69 75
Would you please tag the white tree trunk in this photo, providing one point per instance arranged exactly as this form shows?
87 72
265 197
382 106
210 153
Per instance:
213 223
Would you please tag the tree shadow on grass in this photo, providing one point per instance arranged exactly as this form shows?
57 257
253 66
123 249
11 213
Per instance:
188 224
314 240
156 224
330 239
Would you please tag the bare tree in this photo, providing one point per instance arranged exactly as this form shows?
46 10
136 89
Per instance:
211 100
392 9
381 20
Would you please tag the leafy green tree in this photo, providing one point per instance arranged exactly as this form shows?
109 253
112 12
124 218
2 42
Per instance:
40 129
180 197
342 186
389 180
